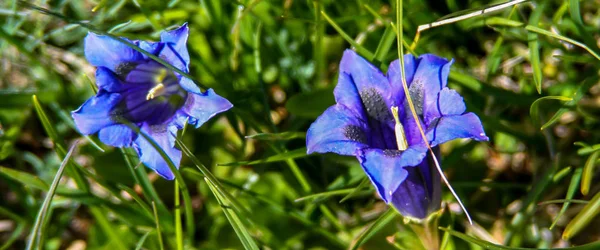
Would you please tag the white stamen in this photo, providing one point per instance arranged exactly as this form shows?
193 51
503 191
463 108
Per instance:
158 90
399 131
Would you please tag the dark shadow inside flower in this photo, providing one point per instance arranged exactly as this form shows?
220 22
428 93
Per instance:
372 121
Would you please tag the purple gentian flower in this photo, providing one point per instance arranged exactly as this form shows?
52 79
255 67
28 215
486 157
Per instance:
134 87
371 120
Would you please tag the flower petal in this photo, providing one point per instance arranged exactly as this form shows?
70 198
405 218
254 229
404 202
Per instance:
387 168
453 127
449 103
420 193
117 135
362 88
104 51
164 136
151 47
189 85
394 75
95 113
338 131
175 50
108 81
430 78
201 107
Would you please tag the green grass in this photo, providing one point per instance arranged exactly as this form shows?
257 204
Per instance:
529 71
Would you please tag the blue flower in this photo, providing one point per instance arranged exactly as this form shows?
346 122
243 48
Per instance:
134 87
371 120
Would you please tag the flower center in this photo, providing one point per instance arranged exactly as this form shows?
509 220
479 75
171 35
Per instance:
159 89
399 131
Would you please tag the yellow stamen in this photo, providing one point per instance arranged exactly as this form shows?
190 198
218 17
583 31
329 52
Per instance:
158 90
160 77
399 131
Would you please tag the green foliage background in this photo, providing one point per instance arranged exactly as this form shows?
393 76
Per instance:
276 61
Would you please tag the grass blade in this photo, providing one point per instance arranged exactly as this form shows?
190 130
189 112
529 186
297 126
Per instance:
588 173
534 48
296 153
36 230
381 222
283 136
575 179
158 233
583 218
190 225
359 48
234 220
534 109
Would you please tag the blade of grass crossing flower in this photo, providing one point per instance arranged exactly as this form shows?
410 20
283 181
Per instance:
178 229
38 225
413 110
381 222
575 179
158 233
234 220
189 215
588 173
534 47
359 48
534 109
583 218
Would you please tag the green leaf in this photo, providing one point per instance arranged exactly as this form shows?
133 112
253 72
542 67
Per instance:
359 48
325 194
534 109
284 136
37 230
379 224
588 173
583 218
534 47
492 246
189 215
575 179
365 182
24 178
234 220
583 88
296 153
310 104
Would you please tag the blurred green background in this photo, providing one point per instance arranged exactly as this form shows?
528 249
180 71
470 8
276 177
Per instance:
276 61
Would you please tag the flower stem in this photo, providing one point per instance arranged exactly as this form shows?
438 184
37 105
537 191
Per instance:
427 231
